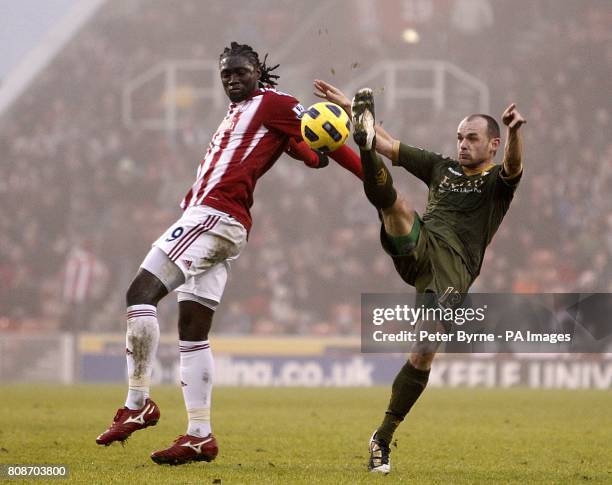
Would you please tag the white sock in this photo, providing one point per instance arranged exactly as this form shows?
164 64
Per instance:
141 341
196 371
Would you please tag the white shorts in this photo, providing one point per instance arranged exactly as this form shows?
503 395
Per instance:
202 243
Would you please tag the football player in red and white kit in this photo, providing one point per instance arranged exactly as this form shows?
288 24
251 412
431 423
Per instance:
192 256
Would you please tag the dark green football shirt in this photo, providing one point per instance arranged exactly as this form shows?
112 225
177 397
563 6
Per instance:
464 210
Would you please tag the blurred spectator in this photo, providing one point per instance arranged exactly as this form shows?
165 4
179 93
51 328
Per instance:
72 171
84 284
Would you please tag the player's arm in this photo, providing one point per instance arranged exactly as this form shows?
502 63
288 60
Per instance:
386 144
324 90
284 112
513 150
343 156
331 93
418 162
299 149
348 159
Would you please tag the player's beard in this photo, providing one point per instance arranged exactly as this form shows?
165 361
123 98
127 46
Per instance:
236 96
470 163
241 94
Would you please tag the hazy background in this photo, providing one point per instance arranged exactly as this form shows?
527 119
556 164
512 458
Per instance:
23 24
87 185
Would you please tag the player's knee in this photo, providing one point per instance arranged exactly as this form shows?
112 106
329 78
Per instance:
399 218
145 289
399 209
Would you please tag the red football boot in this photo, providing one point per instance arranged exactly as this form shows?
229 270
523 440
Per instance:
126 421
187 448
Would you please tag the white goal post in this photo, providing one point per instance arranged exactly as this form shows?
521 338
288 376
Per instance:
439 79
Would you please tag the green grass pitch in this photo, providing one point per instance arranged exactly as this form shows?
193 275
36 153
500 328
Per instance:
293 436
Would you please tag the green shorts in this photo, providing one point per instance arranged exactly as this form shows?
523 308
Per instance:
431 265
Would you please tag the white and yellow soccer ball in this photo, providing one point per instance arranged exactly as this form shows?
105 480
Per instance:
325 126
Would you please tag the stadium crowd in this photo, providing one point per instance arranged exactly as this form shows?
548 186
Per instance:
83 195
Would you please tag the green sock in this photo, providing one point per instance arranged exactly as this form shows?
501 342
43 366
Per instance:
407 387
377 180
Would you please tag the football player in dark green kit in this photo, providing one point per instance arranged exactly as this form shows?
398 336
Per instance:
441 252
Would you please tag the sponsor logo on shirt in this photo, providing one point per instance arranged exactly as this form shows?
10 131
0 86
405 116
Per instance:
299 110
462 186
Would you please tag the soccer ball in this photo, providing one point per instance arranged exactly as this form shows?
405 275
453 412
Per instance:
325 126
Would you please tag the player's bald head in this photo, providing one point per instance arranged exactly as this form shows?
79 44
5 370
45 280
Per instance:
477 140
492 125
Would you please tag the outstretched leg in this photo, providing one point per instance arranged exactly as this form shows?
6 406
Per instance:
156 277
398 217
142 335
402 230
377 181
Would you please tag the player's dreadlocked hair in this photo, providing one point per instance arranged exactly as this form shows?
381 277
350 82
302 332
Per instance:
247 51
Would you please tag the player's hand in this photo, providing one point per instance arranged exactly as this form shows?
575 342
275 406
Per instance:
299 149
512 118
332 93
323 159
